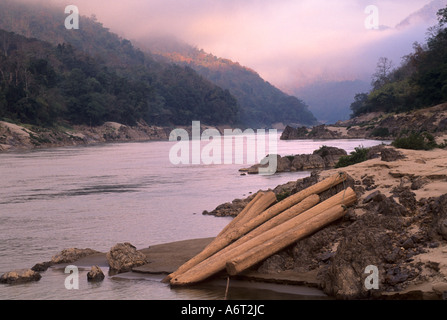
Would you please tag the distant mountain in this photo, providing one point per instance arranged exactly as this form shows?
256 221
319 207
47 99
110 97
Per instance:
330 101
260 102
96 76
425 15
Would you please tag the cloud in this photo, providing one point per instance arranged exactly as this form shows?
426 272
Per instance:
289 42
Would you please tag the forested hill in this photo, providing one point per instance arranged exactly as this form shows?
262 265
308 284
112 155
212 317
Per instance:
162 92
419 82
90 75
259 100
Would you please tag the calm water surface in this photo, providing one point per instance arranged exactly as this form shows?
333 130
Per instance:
97 196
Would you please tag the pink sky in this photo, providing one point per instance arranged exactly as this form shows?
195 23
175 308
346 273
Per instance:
288 42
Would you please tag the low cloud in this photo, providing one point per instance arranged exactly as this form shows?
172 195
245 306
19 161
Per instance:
289 42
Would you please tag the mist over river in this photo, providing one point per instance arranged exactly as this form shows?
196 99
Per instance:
97 196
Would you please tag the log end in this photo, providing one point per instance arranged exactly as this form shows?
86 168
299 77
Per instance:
176 282
166 279
232 269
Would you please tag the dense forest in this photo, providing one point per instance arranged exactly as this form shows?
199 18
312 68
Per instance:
260 102
420 81
91 75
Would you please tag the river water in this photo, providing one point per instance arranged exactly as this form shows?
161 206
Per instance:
97 196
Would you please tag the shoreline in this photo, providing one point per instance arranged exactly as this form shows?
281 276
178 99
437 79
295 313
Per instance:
15 137
393 225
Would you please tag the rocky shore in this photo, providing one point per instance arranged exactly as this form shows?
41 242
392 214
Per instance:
377 125
323 158
399 225
25 137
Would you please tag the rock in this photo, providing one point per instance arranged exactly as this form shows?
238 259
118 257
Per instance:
408 200
407 244
290 133
370 240
443 229
71 255
369 182
307 161
95 274
42 266
395 276
390 154
330 155
371 196
386 206
230 208
440 288
436 209
283 164
304 183
385 153
322 132
20 276
418 183
123 257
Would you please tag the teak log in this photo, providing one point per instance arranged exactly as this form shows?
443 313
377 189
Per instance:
254 221
240 217
255 207
284 216
285 204
304 205
257 254
218 261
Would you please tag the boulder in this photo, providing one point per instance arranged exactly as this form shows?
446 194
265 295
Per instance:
71 255
322 132
290 133
391 154
307 162
123 257
284 164
330 155
20 276
437 209
95 274
368 241
42 266
386 206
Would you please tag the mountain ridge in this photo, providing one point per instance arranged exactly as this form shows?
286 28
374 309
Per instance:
259 99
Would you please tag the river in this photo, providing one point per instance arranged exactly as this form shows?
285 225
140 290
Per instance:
97 196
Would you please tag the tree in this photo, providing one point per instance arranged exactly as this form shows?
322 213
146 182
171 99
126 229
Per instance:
359 105
383 71
442 17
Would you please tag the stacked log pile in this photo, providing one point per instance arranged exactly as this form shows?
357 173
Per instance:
265 227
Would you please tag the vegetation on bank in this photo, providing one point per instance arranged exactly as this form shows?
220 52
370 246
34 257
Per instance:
358 155
420 81
418 141
413 141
